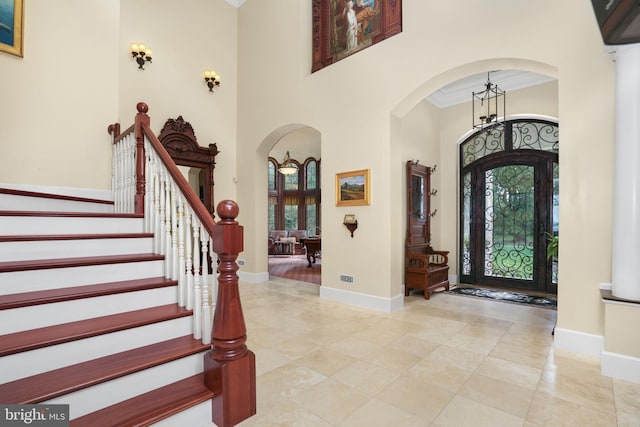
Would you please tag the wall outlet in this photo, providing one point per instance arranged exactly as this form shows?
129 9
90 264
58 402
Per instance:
346 278
240 262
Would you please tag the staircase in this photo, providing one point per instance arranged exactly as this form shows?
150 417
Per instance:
88 319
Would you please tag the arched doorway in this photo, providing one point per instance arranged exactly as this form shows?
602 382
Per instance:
509 205
294 205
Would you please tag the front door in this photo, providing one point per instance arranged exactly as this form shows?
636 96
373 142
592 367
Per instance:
509 200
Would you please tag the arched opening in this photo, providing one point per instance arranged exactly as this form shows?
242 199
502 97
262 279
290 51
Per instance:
294 206
431 132
509 189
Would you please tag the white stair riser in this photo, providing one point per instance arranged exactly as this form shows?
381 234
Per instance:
50 249
36 280
11 202
39 316
112 392
196 416
34 225
41 360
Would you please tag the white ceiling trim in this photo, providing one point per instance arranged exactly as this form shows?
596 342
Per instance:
460 91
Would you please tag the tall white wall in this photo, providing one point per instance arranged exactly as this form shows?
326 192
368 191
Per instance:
187 38
59 98
77 76
359 105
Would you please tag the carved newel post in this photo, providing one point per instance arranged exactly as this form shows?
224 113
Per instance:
229 367
142 119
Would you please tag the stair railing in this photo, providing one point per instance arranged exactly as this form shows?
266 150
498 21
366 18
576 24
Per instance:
146 181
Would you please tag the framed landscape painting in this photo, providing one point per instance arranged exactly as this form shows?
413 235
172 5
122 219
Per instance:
343 27
353 188
11 26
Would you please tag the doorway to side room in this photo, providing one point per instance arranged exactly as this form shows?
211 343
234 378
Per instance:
294 207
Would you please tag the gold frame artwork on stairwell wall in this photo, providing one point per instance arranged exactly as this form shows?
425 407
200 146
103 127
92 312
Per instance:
341 28
11 26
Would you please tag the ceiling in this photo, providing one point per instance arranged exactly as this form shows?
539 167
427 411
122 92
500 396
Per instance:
460 91
236 3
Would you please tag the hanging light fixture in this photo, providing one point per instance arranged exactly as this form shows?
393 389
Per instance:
287 167
488 106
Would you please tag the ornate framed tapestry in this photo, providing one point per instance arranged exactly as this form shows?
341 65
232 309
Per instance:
344 27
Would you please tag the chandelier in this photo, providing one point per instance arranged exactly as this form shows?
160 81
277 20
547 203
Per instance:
287 167
488 106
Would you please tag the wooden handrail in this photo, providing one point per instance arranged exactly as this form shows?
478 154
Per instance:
190 195
229 366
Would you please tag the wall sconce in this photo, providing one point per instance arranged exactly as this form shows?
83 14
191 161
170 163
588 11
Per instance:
141 53
350 222
211 78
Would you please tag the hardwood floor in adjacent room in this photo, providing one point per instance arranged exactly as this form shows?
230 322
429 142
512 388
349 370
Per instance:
295 267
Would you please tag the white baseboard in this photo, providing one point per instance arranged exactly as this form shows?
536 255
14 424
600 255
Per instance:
620 366
371 302
253 277
578 342
453 279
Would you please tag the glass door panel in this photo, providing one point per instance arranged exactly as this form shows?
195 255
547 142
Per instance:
509 222
555 220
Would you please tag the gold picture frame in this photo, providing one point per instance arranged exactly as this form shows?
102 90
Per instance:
11 27
353 188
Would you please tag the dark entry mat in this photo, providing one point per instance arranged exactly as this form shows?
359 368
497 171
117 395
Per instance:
507 296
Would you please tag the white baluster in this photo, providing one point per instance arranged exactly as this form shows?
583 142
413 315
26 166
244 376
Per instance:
157 219
206 304
174 232
207 316
182 282
188 243
130 174
148 186
204 247
162 214
118 177
134 156
197 290
123 174
114 162
168 254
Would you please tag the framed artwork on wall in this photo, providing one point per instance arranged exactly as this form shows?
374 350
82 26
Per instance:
343 27
353 188
11 31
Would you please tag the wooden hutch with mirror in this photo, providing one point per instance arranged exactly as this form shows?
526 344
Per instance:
179 139
424 268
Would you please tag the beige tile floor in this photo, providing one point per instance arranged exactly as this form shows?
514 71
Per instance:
450 361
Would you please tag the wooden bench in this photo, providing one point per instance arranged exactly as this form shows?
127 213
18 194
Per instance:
425 269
